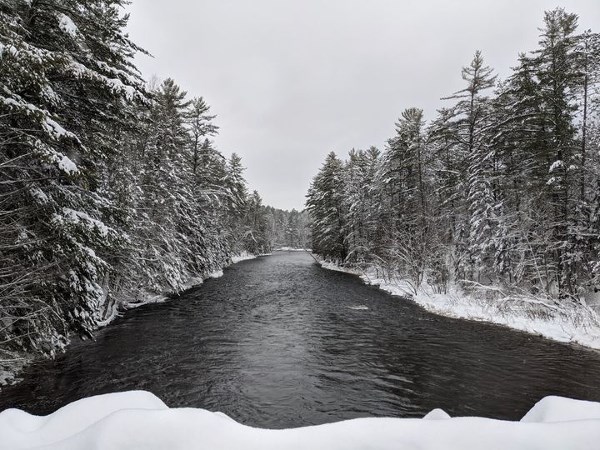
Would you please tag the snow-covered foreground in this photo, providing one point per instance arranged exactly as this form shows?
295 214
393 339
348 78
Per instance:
533 315
139 420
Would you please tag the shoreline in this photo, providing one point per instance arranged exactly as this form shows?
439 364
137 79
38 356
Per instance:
9 373
534 315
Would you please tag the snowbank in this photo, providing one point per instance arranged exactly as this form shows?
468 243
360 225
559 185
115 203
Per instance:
560 409
139 420
533 315
19 429
244 256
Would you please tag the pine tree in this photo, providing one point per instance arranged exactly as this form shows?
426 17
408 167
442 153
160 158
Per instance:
200 126
360 207
236 202
325 205
256 240
106 190
64 83
481 197
545 86
464 129
404 186
501 188
165 176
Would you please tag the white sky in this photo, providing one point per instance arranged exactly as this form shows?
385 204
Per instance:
292 80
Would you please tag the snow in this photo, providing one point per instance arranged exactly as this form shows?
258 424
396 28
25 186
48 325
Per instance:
21 430
55 129
82 217
525 313
115 84
216 274
244 256
193 281
437 414
560 409
39 195
66 24
66 165
139 420
556 165
292 249
49 125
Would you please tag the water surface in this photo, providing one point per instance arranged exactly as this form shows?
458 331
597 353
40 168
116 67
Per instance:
279 342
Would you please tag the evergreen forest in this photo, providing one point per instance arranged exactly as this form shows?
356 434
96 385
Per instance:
111 189
500 188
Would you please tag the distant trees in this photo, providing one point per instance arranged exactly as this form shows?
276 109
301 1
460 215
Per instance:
500 187
108 187
287 229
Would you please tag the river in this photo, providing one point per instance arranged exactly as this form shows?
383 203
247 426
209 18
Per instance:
280 342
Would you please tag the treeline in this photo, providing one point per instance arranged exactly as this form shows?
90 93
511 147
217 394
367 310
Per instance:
288 229
109 188
501 187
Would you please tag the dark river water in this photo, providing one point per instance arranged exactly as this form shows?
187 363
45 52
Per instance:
279 342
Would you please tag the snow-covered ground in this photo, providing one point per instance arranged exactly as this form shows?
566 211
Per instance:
578 324
292 249
242 257
139 420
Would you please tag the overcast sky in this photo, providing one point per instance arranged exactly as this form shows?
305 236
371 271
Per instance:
292 80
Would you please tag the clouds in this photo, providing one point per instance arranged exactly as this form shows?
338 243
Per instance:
292 80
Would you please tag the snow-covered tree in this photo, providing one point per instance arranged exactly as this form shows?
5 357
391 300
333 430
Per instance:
500 188
108 189
65 76
325 205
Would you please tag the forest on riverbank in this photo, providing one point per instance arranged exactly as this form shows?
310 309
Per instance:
500 191
111 189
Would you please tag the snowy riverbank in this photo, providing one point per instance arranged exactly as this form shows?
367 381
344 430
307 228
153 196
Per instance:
575 324
10 369
150 297
139 420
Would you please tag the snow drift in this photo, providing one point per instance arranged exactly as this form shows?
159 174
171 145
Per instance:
139 420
